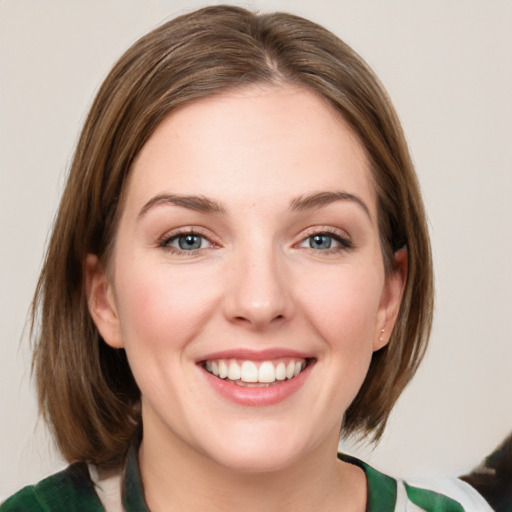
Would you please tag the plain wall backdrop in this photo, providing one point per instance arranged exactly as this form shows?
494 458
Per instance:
447 65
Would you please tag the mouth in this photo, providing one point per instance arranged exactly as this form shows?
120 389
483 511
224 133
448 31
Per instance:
254 374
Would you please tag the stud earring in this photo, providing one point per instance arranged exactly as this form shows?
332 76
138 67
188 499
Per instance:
381 337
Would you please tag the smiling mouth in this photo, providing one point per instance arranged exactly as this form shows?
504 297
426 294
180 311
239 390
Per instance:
249 373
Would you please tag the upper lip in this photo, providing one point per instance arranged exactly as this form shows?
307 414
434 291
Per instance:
254 355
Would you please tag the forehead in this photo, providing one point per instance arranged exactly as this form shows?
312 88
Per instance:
252 145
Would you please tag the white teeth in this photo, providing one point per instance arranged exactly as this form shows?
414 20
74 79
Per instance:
290 370
233 371
223 369
280 371
249 372
266 373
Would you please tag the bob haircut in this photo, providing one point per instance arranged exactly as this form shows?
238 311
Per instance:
86 391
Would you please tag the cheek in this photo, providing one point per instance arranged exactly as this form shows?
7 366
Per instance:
342 304
162 306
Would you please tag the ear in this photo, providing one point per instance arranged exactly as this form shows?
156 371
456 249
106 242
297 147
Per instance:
391 300
100 299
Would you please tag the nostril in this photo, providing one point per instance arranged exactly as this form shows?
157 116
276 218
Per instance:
256 321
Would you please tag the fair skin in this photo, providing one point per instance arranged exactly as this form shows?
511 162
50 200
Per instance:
248 238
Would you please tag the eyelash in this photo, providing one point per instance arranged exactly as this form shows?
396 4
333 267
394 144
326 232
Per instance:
165 242
343 241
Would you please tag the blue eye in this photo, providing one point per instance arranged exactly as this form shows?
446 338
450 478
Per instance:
186 242
189 242
320 241
327 242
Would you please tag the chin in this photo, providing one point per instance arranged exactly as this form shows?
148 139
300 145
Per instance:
259 451
259 462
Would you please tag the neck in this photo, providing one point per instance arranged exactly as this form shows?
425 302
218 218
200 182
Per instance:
180 478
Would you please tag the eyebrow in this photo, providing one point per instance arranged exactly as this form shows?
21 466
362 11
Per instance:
198 203
320 199
206 205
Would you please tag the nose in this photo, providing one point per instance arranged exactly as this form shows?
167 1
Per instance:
258 290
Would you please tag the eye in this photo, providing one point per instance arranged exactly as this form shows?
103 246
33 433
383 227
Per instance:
186 242
320 241
326 242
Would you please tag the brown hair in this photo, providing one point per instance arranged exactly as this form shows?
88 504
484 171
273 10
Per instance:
87 393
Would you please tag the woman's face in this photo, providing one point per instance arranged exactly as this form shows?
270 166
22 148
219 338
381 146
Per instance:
247 283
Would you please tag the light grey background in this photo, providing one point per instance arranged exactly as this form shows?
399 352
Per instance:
447 65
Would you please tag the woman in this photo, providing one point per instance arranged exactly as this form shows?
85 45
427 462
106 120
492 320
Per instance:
240 267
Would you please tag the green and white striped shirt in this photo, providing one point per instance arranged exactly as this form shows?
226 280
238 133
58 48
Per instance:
80 488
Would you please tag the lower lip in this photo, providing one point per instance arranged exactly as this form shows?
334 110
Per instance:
257 396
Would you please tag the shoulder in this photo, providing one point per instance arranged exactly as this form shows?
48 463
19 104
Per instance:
70 490
22 500
388 494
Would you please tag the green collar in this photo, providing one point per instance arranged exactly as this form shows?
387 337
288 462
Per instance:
133 492
381 495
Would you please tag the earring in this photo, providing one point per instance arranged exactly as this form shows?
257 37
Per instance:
381 337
